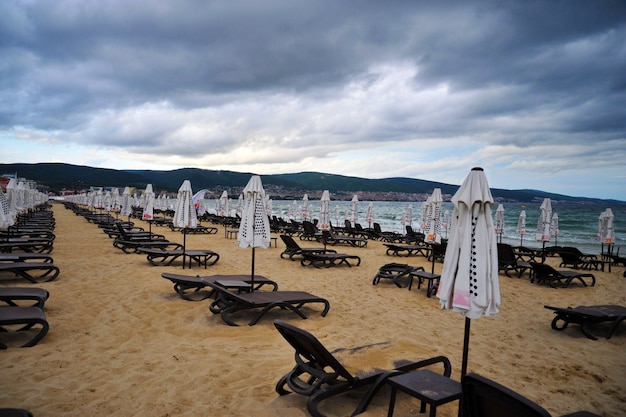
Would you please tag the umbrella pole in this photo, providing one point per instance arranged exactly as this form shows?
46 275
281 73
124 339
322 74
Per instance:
184 245
466 338
252 276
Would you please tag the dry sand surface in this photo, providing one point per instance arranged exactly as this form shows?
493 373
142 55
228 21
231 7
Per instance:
121 341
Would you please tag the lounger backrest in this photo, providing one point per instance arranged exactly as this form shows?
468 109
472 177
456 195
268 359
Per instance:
505 253
308 347
543 270
290 242
483 397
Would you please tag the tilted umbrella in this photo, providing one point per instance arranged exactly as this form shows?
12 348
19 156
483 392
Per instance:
499 221
185 213
543 225
521 226
254 230
469 281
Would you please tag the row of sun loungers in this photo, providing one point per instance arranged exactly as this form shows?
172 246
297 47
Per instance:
25 254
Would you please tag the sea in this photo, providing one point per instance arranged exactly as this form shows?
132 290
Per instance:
578 222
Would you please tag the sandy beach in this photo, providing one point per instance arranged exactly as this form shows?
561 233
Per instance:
122 342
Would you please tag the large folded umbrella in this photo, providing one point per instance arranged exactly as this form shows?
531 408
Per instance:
469 281
606 232
254 230
305 207
185 213
432 222
127 204
148 208
521 226
5 216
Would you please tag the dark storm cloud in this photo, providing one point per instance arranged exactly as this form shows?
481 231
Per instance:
162 76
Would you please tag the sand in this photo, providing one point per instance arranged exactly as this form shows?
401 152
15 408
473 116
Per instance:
122 342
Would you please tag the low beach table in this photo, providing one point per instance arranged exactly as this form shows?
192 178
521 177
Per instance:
433 281
427 386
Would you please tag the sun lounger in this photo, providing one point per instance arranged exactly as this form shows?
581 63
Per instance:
587 316
28 245
545 273
128 246
229 302
507 261
10 296
24 257
293 249
27 317
165 257
395 272
483 397
327 260
331 239
573 260
319 374
399 250
194 288
31 271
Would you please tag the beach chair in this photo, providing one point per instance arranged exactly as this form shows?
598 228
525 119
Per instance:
293 249
12 295
574 260
27 318
165 257
194 288
319 374
390 237
326 260
394 249
395 272
331 239
545 273
310 232
31 271
483 397
229 302
507 261
586 316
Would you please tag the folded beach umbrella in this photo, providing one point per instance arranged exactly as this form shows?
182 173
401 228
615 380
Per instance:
554 228
543 224
5 218
185 213
127 205
469 282
354 212
370 214
445 222
305 207
432 221
521 226
148 208
606 232
499 221
325 211
254 230
222 204
116 201
424 213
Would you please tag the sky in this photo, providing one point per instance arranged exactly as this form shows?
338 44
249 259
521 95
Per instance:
533 91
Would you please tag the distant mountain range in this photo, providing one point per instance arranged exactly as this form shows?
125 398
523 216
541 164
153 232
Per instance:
58 176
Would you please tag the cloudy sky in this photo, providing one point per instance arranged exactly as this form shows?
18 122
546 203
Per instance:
532 91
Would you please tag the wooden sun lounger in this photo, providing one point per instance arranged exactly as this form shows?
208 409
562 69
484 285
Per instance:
10 295
48 271
193 288
587 316
399 250
229 302
165 257
27 317
327 260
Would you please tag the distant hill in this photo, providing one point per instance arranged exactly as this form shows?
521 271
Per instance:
56 176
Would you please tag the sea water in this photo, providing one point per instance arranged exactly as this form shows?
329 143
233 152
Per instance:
578 222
